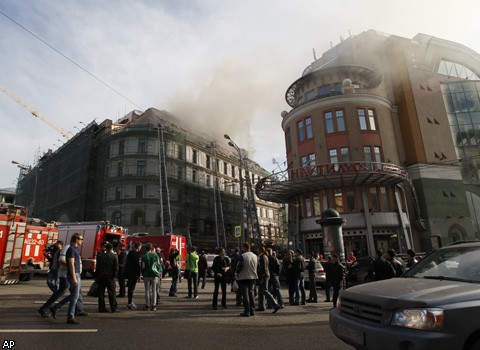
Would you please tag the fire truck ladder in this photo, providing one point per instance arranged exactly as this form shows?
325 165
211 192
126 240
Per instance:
16 240
252 216
219 220
165 213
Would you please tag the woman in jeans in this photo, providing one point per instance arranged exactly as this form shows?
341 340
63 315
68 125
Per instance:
150 279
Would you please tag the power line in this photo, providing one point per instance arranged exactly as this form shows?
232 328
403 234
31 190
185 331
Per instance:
72 61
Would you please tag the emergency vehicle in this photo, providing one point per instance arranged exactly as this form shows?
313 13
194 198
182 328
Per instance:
164 242
94 233
22 244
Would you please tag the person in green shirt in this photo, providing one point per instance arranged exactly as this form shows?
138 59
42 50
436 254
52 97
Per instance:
192 268
150 279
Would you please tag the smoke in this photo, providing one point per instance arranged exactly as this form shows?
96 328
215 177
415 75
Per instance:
227 105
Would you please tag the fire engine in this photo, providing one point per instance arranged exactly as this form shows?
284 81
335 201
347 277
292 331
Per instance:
94 234
164 242
22 244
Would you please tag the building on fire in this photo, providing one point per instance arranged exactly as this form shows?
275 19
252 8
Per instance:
386 130
149 173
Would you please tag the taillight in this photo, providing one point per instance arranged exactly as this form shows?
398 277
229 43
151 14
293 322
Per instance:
321 271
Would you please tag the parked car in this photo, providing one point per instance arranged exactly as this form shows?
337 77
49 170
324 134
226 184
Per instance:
319 275
434 305
210 258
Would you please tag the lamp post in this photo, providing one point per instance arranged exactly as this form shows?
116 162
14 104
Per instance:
242 195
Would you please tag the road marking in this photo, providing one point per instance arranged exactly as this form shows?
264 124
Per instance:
48 330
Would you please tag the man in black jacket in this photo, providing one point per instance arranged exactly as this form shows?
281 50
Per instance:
107 270
338 276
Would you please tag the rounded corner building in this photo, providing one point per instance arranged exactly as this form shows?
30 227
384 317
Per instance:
386 131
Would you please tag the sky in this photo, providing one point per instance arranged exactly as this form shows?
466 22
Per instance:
221 66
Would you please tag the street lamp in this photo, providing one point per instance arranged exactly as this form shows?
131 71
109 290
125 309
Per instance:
242 196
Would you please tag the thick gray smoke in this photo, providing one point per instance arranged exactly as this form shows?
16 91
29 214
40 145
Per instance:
227 104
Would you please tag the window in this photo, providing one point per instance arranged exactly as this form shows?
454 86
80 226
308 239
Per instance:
209 181
225 168
233 171
139 192
141 168
323 91
310 95
194 156
311 160
338 88
117 218
308 126
304 162
333 156
119 169
301 131
142 146
371 120
345 154
208 162
308 207
194 176
340 120
118 193
361 119
121 147
456 70
367 153
334 121
377 155
329 122
366 124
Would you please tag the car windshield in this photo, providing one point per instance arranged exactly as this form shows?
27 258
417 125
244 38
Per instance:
455 263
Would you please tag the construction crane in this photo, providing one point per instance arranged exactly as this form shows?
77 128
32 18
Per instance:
68 135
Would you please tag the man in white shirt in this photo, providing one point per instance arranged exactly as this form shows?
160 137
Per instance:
246 277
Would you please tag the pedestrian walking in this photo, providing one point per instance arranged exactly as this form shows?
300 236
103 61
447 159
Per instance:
73 274
263 276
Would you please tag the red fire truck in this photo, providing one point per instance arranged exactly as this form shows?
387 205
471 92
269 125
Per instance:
164 242
94 233
22 244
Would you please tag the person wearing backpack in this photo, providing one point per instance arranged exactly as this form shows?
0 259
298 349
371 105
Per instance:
298 268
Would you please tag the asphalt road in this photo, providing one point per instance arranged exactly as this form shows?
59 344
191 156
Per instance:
178 323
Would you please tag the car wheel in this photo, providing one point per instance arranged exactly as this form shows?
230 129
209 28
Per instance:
475 344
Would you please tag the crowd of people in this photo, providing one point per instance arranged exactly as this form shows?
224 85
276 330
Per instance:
254 276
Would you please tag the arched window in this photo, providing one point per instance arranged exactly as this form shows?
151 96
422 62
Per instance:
138 217
117 218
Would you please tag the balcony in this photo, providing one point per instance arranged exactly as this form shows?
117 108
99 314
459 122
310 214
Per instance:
282 186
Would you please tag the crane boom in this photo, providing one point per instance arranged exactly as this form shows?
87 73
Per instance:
68 135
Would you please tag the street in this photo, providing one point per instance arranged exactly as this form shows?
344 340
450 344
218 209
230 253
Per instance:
178 323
